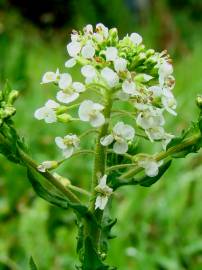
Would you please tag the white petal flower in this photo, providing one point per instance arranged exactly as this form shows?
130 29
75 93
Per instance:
120 147
120 64
165 70
156 90
122 96
129 88
91 112
50 76
88 51
88 29
65 81
169 101
150 165
98 37
136 39
67 96
124 131
70 63
150 118
68 144
100 28
111 53
47 112
155 133
78 87
107 140
111 77
104 192
88 71
47 165
73 48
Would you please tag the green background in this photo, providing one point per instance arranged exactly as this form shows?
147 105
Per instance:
159 228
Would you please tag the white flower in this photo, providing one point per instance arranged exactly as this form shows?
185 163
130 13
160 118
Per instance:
91 112
165 70
120 64
88 72
88 29
65 81
88 51
121 133
47 165
47 112
73 48
150 118
129 87
156 90
168 101
68 144
100 28
111 77
155 133
136 39
50 76
122 96
78 87
150 165
104 192
111 53
67 96
98 37
70 63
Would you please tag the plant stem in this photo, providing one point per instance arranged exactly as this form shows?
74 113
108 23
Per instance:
98 171
31 163
164 154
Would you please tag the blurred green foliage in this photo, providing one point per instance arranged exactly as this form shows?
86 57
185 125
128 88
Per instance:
158 228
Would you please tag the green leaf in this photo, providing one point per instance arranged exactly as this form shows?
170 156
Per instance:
106 235
92 260
55 199
6 91
32 264
147 181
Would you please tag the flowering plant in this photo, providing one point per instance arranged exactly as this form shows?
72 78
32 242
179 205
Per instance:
124 96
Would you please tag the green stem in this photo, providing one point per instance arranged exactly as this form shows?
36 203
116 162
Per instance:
31 163
119 166
98 171
164 154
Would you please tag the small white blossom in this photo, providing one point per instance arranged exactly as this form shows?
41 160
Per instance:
65 81
169 101
150 165
67 96
88 51
74 48
47 165
120 64
70 63
104 192
68 144
98 37
88 71
91 112
50 77
111 77
165 70
129 87
78 87
102 29
136 39
121 133
150 118
47 112
88 29
111 53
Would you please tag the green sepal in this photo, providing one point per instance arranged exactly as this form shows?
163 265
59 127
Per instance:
32 264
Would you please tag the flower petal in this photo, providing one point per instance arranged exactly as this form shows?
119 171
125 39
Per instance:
106 140
120 147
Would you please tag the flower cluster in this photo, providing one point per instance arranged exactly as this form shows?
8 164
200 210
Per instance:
104 192
124 70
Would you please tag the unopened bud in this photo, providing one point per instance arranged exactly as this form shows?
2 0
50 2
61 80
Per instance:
63 180
61 109
113 34
14 94
64 118
199 101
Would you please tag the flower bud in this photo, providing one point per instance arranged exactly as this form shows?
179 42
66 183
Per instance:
150 52
14 94
61 109
9 111
113 35
64 118
63 180
199 101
